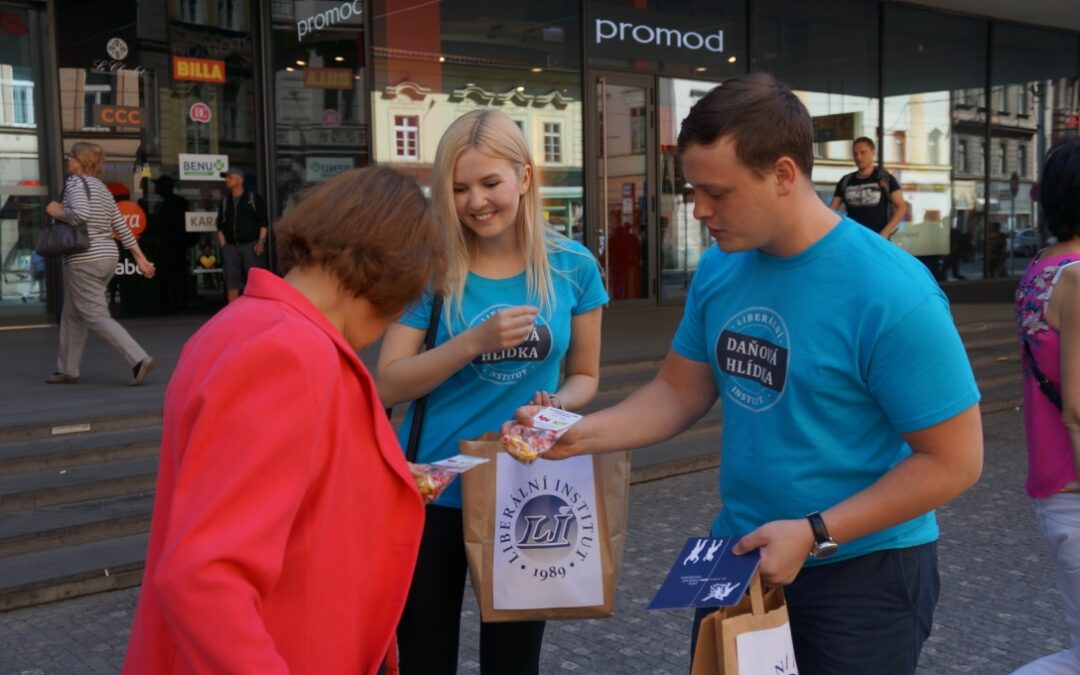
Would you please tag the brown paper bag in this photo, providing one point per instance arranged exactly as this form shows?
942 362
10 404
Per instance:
611 474
757 611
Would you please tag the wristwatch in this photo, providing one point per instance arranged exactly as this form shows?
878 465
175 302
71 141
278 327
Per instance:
824 546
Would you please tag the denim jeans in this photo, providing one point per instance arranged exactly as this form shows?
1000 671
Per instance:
869 614
1059 521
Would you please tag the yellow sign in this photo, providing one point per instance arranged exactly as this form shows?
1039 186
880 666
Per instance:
198 70
328 78
835 127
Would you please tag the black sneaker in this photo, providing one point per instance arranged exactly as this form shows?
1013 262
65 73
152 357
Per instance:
141 370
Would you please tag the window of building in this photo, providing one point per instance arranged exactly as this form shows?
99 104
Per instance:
407 136
552 143
1023 100
962 161
1001 99
1022 160
1002 159
193 11
933 147
23 101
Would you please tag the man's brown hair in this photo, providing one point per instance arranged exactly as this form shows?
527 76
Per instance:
764 118
374 230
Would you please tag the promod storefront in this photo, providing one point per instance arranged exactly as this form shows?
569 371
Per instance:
961 106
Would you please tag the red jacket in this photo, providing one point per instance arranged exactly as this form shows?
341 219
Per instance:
286 522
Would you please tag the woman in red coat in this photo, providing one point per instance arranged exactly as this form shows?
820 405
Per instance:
286 522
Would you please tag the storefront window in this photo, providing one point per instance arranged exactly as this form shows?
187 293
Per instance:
935 67
1042 64
22 193
434 61
171 120
320 119
827 52
691 38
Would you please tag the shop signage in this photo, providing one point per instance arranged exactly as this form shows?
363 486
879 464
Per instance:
117 116
324 168
203 167
198 70
657 36
330 118
200 112
200 221
839 127
117 48
133 215
109 66
336 13
13 24
328 78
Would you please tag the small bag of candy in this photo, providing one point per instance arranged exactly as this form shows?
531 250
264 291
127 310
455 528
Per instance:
527 443
432 479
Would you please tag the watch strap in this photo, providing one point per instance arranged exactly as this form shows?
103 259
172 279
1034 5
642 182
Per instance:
817 524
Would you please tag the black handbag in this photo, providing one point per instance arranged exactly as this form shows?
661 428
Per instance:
420 407
60 238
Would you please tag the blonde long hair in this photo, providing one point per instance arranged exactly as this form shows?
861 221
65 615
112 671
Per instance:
492 133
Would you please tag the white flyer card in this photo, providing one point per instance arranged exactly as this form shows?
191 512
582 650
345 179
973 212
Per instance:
459 463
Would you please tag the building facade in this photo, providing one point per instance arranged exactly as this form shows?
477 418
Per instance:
962 108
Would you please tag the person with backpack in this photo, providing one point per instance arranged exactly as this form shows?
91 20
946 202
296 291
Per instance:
870 194
242 229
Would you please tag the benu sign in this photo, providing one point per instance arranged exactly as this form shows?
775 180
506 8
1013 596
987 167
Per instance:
606 30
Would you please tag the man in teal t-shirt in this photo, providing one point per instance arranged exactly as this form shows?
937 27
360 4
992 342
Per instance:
850 409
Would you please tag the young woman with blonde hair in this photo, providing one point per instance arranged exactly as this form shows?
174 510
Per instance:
522 305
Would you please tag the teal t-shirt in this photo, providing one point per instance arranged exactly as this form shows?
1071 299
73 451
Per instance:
485 393
821 361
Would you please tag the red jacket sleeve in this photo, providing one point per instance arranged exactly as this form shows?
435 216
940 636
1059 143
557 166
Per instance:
249 449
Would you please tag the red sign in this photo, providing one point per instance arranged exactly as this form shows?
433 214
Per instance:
133 215
328 78
198 70
13 24
331 118
200 112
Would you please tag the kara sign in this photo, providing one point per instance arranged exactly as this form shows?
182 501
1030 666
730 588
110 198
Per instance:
317 16
200 221
203 167
328 78
118 116
323 168
198 70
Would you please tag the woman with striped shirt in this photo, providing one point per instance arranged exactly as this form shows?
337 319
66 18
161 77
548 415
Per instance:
88 203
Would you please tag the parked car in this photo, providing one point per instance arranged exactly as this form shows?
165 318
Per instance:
1025 242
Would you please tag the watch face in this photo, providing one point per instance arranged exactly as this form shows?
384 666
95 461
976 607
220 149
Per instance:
825 549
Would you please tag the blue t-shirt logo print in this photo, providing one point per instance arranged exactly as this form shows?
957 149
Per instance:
510 365
752 352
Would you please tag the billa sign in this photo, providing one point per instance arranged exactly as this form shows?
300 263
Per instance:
198 70
118 116
328 78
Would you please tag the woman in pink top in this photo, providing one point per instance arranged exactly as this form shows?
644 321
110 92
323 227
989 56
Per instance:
1048 315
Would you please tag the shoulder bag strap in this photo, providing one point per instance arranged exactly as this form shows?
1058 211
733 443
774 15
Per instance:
420 407
1045 385
86 186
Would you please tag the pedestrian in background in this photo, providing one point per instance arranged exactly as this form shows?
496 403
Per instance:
88 203
869 193
1048 316
242 229
520 300
286 521
850 408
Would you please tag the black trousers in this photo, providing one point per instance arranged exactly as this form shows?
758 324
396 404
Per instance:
429 627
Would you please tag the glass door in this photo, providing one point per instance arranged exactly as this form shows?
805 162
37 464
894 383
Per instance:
682 238
23 189
623 226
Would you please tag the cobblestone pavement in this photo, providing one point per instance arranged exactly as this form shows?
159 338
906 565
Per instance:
998 608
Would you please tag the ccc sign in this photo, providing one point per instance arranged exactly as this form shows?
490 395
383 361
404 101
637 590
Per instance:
118 116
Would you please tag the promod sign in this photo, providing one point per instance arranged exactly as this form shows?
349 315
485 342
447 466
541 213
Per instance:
191 69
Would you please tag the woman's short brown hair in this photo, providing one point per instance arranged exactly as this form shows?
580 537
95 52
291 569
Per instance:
374 230
90 157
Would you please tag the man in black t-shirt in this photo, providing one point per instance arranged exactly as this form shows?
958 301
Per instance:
870 195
